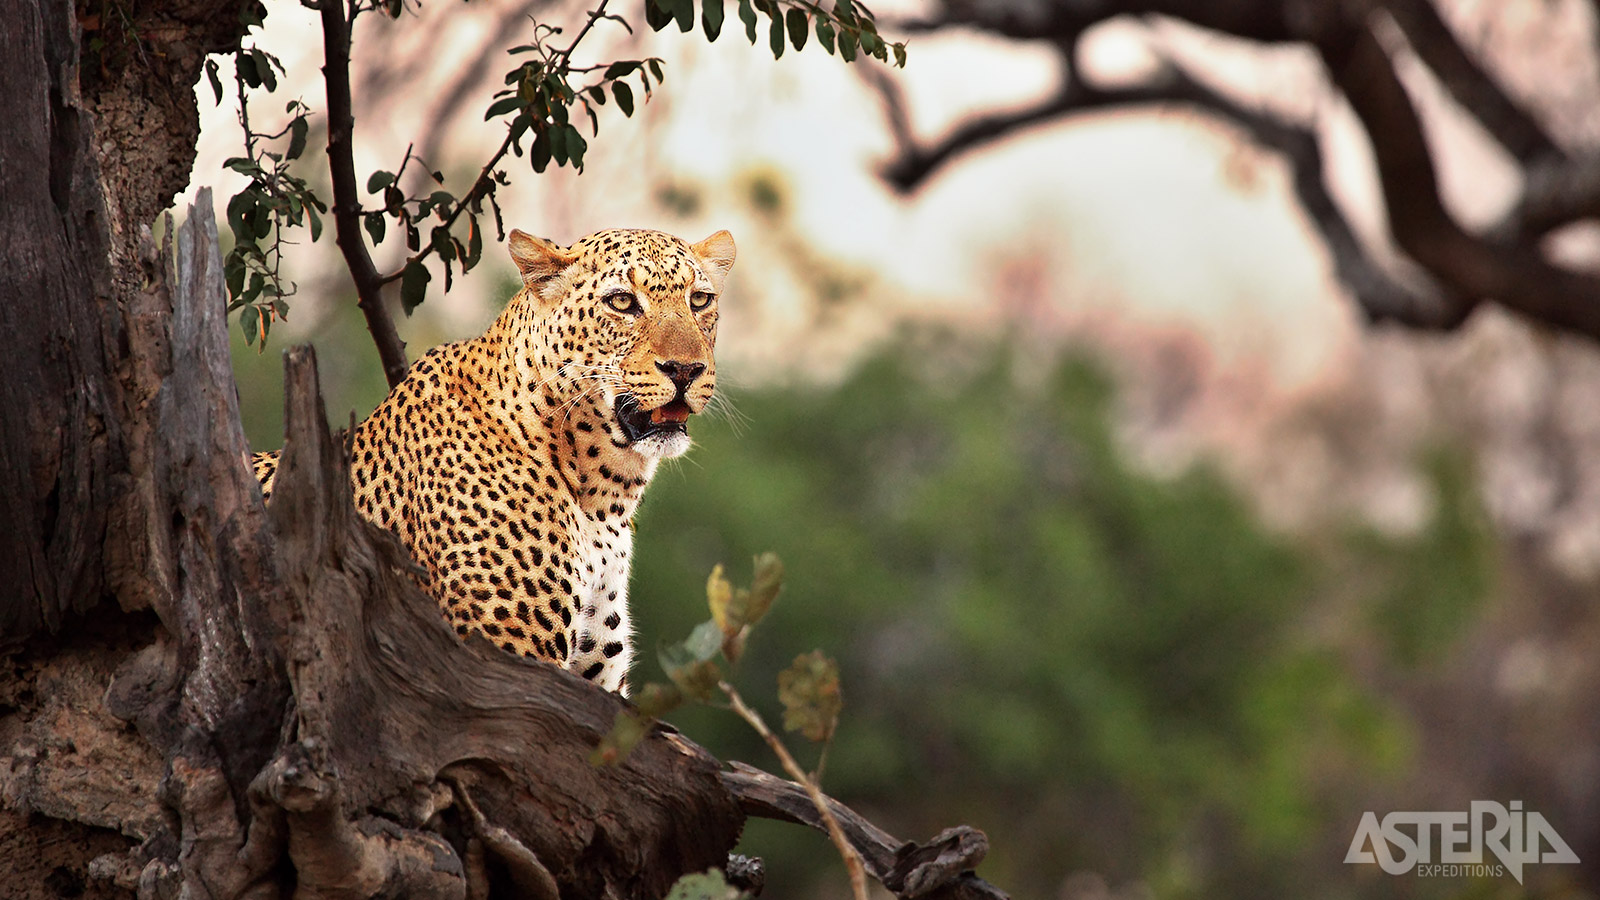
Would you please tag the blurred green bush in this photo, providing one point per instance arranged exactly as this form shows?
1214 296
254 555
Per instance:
1106 670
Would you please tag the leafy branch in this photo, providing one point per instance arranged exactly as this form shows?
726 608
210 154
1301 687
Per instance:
544 102
808 689
275 199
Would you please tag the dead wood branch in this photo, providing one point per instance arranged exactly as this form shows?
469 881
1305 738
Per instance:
1459 269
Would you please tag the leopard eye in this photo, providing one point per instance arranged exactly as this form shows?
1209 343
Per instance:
699 300
623 302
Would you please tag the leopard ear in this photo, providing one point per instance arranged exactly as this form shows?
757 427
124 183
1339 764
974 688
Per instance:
716 254
537 259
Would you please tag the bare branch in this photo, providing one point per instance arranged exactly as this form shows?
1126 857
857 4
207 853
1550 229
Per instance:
1514 275
1469 84
852 859
1262 20
346 202
1554 193
1380 296
938 870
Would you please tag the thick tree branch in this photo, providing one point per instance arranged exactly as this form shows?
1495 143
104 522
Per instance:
1554 193
1514 275
1476 90
1261 20
1462 269
1380 295
346 201
939 870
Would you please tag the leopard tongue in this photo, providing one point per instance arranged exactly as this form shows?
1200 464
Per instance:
672 412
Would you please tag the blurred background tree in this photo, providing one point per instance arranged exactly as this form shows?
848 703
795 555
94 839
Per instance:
1140 545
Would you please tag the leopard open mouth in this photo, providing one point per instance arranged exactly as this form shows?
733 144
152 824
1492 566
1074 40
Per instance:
637 423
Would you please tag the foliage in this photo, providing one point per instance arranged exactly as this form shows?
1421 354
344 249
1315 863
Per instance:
1104 669
809 690
545 103
708 885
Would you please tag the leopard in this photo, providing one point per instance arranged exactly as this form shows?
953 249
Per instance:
510 465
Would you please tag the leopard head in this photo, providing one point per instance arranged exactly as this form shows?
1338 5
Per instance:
627 324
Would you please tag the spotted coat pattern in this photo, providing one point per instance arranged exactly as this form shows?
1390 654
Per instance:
510 465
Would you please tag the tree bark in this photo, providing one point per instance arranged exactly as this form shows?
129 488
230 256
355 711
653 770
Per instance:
206 698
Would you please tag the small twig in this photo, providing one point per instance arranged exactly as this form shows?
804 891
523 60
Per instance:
480 185
852 860
346 202
596 15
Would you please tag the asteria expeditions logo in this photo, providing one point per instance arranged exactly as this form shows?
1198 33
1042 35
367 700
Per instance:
1513 837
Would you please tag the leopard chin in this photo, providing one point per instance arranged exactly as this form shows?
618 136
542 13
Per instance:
659 433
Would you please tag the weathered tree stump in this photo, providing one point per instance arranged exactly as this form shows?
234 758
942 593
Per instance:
282 706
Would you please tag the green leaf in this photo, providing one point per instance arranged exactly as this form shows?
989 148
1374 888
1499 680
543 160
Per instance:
314 219
298 128
558 145
656 700
704 641
264 65
747 15
657 14
775 35
502 106
825 34
871 44
624 95
683 11
474 242
413 285
621 69
441 201
216 83
847 46
234 270
799 28
809 690
655 71
440 240
376 227
244 65
576 147
719 593
764 589
627 730
539 153
238 209
707 885
900 55
694 673
711 18
250 324
379 180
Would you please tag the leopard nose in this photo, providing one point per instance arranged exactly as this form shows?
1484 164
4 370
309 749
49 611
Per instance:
681 374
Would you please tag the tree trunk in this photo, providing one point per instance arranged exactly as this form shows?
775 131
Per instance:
210 699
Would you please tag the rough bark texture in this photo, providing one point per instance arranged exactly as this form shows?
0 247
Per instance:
203 698
309 707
